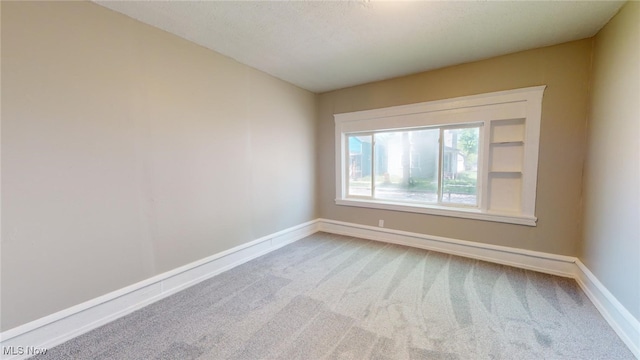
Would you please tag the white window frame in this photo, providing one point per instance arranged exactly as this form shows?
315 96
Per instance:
490 110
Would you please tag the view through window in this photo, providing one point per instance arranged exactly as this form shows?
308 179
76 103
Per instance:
431 165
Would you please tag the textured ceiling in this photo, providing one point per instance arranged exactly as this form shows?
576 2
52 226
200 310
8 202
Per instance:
327 45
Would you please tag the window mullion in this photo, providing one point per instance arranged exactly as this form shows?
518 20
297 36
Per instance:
347 165
483 171
373 161
440 161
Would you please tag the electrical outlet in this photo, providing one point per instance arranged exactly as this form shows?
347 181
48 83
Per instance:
381 223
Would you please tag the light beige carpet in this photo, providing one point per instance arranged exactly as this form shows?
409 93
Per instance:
336 297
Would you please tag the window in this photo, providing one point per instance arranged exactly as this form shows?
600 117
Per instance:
436 165
472 157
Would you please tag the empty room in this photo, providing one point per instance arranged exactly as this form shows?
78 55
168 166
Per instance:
320 180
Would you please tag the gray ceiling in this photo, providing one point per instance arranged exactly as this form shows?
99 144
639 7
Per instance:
327 45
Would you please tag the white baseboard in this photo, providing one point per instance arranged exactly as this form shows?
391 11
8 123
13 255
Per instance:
526 259
57 328
623 323
64 325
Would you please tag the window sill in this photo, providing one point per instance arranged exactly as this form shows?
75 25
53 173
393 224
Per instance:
470 213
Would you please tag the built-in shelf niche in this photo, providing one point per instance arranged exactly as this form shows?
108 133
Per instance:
509 197
507 131
506 163
506 157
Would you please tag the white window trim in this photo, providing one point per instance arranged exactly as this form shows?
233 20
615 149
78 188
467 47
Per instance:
525 103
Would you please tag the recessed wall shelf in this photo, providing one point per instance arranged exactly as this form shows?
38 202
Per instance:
506 162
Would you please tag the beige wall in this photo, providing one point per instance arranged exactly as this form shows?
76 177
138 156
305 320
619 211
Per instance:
127 152
565 71
611 246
